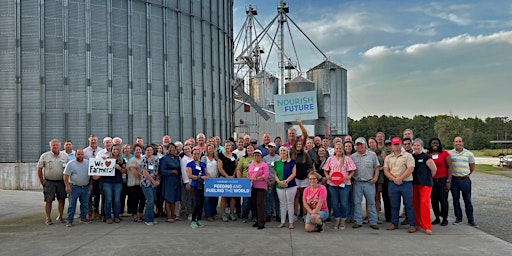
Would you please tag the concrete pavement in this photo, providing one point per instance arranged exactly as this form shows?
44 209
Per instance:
23 232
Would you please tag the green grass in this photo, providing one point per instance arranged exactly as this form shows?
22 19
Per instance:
489 169
491 152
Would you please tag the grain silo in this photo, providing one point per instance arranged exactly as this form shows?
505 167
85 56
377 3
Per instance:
126 68
331 87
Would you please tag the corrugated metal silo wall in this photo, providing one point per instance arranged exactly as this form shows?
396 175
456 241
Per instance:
126 68
332 97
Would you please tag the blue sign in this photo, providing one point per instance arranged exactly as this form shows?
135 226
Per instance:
227 187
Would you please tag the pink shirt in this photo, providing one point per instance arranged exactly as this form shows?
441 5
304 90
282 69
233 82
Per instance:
313 197
256 172
333 165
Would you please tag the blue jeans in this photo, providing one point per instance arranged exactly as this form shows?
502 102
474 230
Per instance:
149 193
210 206
272 196
464 186
368 190
81 193
246 207
350 213
340 200
396 192
112 193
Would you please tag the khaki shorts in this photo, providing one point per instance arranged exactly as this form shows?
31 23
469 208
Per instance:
52 188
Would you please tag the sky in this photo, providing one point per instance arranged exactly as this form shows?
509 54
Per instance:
406 58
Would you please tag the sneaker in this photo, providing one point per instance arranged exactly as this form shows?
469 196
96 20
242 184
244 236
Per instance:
244 220
200 224
110 221
412 229
436 221
189 217
444 222
342 224
473 224
117 220
69 224
233 217
193 225
147 223
85 221
59 219
225 218
322 227
457 222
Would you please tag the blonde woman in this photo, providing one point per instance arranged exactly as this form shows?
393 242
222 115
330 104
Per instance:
286 186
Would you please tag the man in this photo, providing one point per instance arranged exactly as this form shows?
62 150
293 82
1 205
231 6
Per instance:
247 140
387 147
317 143
50 167
365 177
78 182
272 199
117 141
68 149
398 167
347 138
292 135
463 163
327 146
408 134
139 141
407 144
166 140
264 147
334 142
201 143
385 193
92 150
105 152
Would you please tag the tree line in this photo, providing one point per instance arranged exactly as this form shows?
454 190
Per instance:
477 133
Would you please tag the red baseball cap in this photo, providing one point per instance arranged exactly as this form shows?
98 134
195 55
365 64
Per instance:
396 141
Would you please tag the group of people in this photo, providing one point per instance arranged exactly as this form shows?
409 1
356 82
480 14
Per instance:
302 179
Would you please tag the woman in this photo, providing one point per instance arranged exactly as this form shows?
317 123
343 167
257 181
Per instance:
170 173
112 186
148 182
211 161
160 151
227 167
126 154
441 181
258 174
309 145
373 144
314 198
241 172
339 193
318 165
348 150
304 165
197 173
136 200
187 197
424 170
286 186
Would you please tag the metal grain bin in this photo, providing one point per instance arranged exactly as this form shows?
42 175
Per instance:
262 87
126 68
299 84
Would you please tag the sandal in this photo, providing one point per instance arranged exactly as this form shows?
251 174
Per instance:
280 225
178 218
291 226
135 218
169 220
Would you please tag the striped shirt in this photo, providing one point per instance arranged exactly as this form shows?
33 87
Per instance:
461 162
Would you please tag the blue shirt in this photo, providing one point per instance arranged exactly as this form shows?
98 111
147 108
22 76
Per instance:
192 165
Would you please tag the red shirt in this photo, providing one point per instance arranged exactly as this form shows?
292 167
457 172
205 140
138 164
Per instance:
439 159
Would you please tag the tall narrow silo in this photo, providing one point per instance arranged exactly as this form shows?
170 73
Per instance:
331 87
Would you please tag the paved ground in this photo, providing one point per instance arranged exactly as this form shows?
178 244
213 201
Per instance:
23 232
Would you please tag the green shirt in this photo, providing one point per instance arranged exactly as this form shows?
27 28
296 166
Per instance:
243 165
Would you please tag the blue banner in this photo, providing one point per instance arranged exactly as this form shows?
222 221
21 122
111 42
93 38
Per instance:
227 187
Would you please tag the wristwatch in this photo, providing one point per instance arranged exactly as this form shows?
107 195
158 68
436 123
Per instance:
447 181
